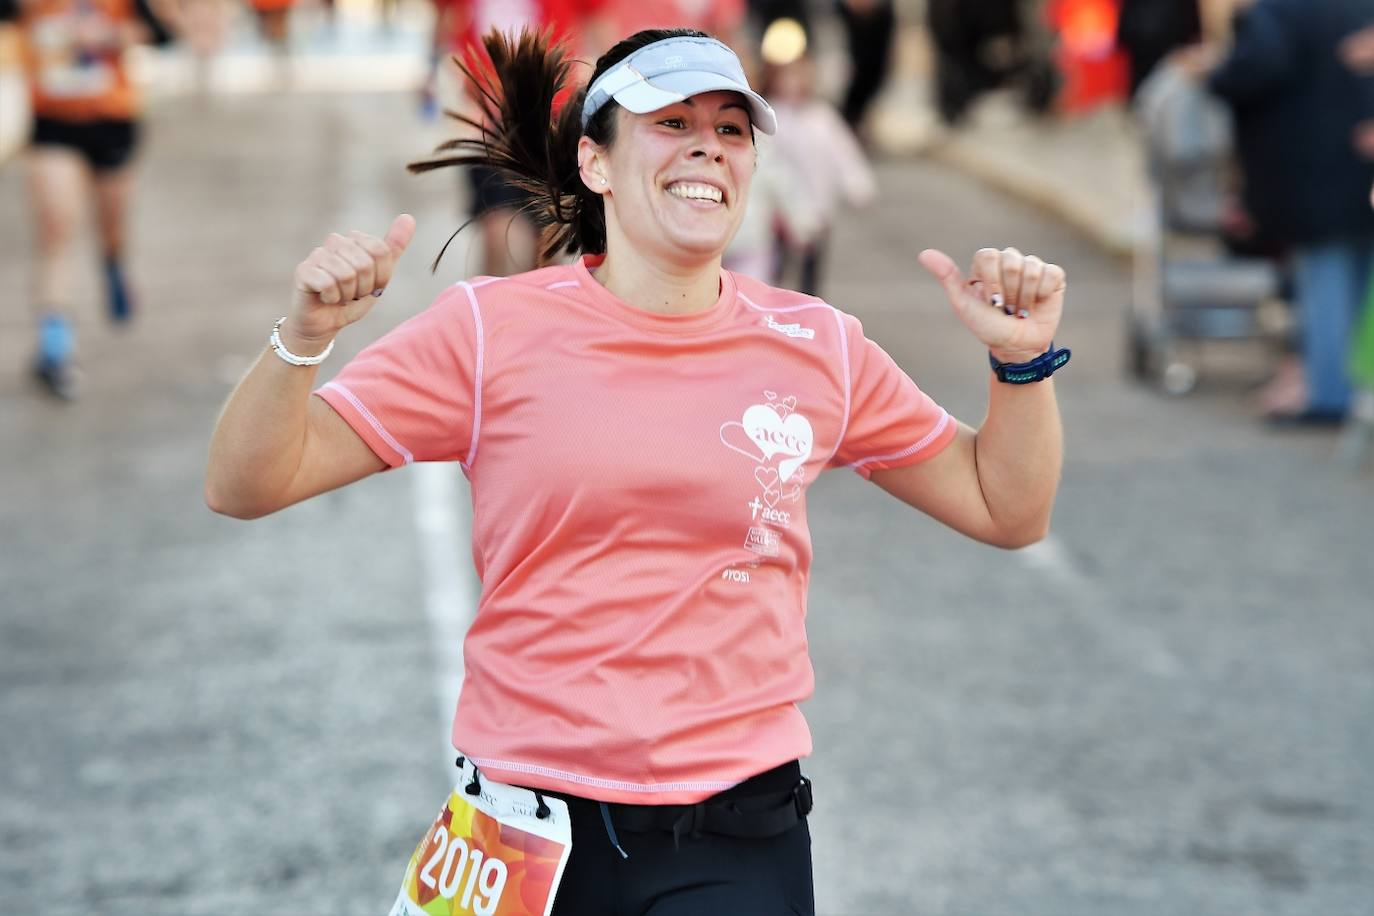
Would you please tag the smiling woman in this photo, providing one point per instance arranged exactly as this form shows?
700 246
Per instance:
674 190
640 429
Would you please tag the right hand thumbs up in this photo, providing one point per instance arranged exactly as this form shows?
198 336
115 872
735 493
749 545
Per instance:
339 282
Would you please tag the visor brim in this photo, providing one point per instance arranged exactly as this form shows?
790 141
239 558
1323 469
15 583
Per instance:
645 96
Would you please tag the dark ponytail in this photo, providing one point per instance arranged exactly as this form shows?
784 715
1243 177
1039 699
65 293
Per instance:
535 149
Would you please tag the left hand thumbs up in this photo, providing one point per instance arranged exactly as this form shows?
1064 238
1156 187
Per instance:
1011 302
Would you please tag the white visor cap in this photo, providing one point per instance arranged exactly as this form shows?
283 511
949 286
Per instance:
671 70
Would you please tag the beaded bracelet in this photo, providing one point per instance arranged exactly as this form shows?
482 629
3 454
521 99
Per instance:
286 355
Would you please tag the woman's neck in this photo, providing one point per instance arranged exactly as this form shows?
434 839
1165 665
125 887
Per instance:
656 288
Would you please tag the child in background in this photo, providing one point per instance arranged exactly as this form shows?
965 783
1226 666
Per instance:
817 146
774 202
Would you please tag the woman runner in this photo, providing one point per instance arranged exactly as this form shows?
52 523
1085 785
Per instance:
640 429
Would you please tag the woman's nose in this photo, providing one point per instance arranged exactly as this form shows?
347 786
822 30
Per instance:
708 146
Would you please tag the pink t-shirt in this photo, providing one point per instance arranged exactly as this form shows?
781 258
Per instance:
639 514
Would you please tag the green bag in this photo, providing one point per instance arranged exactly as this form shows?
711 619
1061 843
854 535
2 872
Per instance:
1362 347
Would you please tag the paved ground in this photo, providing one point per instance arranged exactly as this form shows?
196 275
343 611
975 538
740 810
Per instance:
1168 708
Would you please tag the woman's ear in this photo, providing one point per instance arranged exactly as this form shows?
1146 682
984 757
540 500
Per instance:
591 165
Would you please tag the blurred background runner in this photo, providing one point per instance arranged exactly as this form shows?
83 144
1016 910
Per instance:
84 134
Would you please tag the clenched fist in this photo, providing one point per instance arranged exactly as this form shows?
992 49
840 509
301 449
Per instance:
339 281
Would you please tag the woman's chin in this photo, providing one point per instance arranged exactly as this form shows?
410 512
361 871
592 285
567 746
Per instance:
698 247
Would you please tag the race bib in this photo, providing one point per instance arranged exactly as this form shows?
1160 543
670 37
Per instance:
74 56
488 854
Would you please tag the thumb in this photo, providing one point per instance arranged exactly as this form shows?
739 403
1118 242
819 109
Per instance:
943 268
401 232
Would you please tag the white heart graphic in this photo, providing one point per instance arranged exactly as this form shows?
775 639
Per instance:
776 436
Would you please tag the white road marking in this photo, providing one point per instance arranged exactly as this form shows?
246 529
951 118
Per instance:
451 585
1094 608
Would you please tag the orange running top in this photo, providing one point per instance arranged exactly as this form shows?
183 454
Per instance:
74 58
639 514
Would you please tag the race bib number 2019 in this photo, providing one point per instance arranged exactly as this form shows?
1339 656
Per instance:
488 855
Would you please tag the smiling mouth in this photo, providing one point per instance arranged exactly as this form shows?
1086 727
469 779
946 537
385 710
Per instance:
690 190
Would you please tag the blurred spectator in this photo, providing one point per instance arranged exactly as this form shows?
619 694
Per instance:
828 163
773 202
982 45
1297 108
870 27
1092 66
85 131
1148 30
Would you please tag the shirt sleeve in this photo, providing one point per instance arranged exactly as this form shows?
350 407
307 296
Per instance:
892 423
415 394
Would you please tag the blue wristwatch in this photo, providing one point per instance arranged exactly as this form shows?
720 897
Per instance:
1037 370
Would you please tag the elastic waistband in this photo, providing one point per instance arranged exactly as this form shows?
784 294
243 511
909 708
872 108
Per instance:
762 806
779 779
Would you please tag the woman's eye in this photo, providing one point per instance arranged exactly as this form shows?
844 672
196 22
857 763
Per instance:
733 129
671 122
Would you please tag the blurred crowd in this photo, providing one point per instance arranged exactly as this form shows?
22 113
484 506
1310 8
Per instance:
1257 116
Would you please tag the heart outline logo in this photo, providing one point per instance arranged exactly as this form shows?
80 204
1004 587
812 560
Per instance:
769 431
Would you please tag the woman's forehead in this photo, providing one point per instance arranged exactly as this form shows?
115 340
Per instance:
711 102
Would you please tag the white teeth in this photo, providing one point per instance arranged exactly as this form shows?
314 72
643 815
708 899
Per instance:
695 191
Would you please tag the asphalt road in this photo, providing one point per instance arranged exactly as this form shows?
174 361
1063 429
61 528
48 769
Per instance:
1167 708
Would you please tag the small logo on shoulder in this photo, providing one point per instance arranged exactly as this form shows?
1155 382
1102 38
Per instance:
791 330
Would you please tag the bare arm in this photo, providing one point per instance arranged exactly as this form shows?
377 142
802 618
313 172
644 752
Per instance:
997 484
274 444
